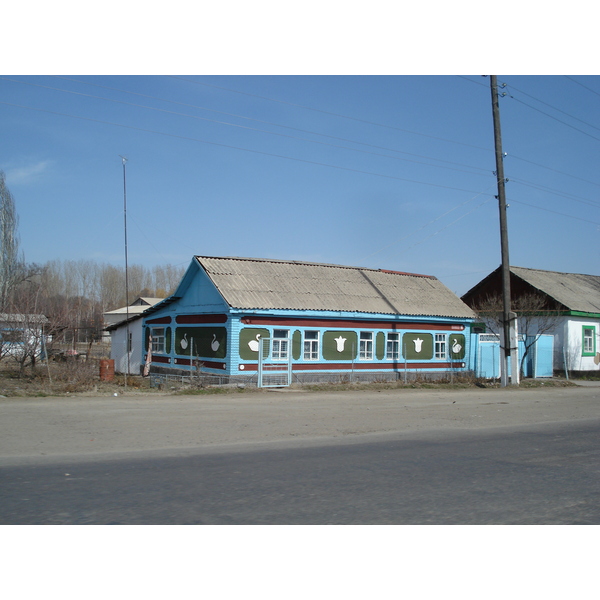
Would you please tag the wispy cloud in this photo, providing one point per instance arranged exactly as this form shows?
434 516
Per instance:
27 173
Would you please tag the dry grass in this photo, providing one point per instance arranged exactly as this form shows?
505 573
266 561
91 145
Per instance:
83 378
61 378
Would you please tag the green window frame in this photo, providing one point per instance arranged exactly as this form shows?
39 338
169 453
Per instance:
588 340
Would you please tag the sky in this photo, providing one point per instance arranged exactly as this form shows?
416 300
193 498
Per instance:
392 171
328 131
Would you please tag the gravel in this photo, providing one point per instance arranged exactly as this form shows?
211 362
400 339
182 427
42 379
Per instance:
84 428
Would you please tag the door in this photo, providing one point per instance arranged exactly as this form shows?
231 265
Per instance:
274 362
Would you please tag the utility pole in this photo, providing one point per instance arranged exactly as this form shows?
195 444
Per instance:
506 312
126 269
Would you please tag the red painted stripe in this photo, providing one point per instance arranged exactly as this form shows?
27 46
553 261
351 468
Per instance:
349 324
360 366
209 364
161 321
161 359
201 319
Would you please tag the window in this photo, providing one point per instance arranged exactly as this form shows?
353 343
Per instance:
393 346
280 344
311 345
589 341
440 345
366 345
130 343
158 340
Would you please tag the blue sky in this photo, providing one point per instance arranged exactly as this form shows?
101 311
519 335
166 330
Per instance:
381 171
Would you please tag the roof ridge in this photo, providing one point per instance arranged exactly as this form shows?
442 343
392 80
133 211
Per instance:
556 272
312 264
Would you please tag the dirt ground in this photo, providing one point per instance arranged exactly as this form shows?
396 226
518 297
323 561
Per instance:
41 429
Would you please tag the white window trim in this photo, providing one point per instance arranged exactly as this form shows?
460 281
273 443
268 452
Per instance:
158 340
440 339
395 354
280 346
365 346
312 342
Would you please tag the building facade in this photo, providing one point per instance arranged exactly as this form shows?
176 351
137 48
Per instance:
564 306
243 317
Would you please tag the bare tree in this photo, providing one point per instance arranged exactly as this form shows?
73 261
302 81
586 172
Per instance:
11 263
535 317
26 329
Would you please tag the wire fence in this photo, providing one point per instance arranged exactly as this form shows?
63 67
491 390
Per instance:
201 379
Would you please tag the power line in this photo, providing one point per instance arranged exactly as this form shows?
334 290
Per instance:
278 125
553 170
259 121
555 192
330 113
260 130
553 107
553 211
555 118
183 137
188 138
583 86
431 223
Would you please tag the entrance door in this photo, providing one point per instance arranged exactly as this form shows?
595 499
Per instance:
544 356
274 362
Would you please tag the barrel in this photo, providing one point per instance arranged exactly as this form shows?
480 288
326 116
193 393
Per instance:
107 370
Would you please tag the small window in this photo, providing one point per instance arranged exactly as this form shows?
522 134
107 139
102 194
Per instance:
130 342
158 340
311 345
280 344
589 341
393 346
440 345
366 345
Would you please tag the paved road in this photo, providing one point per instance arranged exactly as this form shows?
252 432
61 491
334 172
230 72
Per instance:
542 474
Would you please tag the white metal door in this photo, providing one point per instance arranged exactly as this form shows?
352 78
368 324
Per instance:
274 373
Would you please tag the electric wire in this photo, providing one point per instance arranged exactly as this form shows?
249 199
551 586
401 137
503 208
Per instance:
553 107
264 130
555 193
555 118
274 124
254 151
397 241
446 226
332 113
261 152
583 86
520 158
586 220
260 121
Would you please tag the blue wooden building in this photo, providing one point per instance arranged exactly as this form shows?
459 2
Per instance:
274 322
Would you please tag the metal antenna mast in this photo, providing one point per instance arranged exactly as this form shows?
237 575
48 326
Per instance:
506 314
127 348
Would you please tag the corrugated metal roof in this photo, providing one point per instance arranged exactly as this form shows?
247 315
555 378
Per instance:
249 283
574 290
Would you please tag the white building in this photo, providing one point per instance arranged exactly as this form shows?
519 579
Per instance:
126 335
573 301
